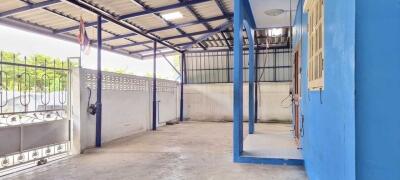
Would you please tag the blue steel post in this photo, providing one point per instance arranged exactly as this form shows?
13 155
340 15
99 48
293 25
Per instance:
250 35
238 82
99 77
155 87
256 88
183 59
185 70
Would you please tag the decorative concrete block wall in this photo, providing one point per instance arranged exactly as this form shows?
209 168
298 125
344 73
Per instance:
127 105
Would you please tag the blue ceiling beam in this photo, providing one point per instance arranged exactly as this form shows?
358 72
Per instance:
164 8
169 38
28 8
248 13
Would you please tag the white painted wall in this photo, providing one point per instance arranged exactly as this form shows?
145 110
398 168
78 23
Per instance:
214 102
127 105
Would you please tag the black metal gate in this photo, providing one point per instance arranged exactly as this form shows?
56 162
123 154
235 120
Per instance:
34 110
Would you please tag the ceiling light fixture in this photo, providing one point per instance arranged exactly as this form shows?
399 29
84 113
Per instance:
172 16
274 12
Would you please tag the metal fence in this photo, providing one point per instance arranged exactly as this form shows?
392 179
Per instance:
274 65
34 98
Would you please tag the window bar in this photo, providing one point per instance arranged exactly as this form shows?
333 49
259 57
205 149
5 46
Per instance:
209 66
201 69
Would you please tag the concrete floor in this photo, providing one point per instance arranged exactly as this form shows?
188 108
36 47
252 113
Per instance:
272 141
192 150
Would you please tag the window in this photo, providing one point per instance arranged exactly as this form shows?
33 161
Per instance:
315 9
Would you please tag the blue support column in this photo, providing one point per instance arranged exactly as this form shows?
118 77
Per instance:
99 78
250 35
256 80
185 71
238 82
155 87
243 16
256 88
183 59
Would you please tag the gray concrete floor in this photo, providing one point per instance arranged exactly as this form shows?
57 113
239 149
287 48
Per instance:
192 150
272 141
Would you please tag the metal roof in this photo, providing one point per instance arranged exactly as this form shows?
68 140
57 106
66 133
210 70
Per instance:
129 26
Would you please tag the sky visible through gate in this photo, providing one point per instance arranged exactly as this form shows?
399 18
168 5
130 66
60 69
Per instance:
27 43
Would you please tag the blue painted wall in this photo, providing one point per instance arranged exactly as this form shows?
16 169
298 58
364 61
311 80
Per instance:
329 125
377 89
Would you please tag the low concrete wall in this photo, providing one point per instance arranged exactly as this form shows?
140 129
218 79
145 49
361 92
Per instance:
127 106
214 102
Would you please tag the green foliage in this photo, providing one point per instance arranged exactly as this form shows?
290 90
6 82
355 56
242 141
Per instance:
33 73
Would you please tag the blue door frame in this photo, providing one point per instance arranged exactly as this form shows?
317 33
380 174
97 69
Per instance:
243 17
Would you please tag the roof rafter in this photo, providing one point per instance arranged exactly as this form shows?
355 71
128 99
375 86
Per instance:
166 27
155 12
115 20
226 40
168 38
73 19
191 23
222 7
127 16
198 18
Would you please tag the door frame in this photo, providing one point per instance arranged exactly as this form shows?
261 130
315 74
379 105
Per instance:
297 90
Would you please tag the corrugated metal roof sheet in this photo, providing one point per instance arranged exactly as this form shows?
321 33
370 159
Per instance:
10 4
158 3
208 9
117 7
194 28
62 19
